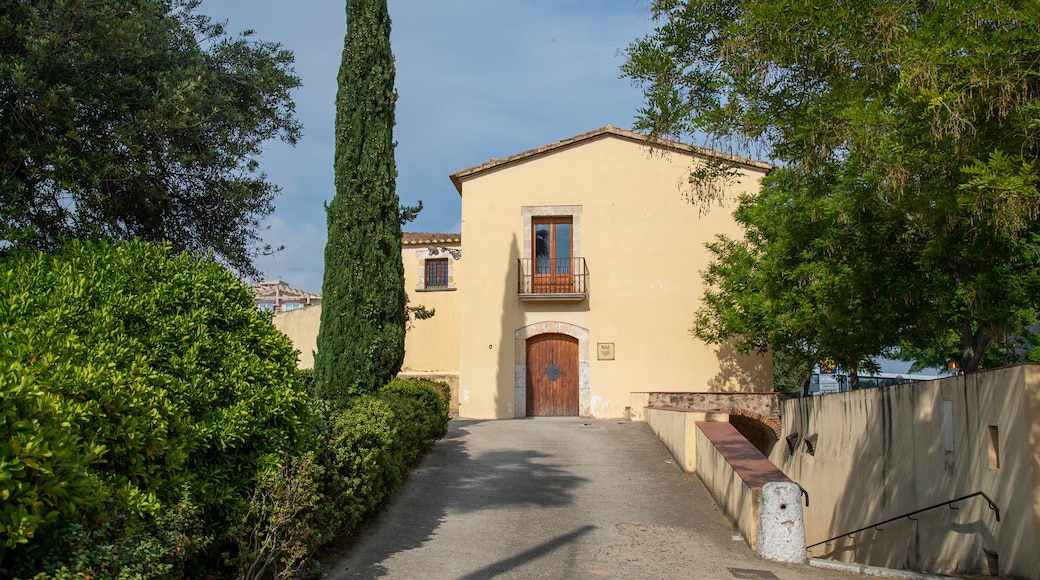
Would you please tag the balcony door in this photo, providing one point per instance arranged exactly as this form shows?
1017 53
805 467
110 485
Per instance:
553 272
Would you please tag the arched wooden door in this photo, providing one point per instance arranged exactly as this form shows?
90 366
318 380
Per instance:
552 376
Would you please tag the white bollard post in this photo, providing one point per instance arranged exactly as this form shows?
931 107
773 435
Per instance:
781 523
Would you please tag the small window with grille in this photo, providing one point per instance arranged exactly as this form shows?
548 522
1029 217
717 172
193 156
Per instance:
436 273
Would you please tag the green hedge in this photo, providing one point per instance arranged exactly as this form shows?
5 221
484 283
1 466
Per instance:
374 441
153 424
43 462
155 369
366 451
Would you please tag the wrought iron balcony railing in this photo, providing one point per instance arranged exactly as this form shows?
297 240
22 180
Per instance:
552 279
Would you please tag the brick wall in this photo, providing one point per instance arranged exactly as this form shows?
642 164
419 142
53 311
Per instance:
762 407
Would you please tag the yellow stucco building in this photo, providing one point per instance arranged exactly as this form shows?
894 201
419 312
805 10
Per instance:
576 285
577 282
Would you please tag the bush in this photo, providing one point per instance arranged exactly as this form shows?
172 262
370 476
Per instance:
363 459
305 378
42 460
123 545
159 361
367 449
431 410
278 529
154 424
371 444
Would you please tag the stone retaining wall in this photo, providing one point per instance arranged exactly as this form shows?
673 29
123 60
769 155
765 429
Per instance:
763 407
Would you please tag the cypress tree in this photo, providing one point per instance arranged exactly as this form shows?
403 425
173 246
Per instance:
361 338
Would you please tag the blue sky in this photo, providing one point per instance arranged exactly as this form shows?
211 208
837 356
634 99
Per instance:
476 79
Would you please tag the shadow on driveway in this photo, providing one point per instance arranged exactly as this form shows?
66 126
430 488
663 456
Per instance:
549 498
453 479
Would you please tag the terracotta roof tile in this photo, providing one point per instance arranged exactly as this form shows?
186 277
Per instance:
424 238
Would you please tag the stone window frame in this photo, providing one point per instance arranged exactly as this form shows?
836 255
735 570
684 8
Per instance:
528 212
422 256
432 268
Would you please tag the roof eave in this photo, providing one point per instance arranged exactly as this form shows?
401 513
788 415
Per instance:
458 177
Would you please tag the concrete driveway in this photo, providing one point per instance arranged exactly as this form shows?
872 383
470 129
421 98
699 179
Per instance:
552 498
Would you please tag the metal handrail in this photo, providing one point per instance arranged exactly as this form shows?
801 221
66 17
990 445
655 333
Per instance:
558 277
992 505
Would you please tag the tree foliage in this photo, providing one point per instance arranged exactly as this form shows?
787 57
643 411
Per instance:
815 276
917 124
361 337
139 118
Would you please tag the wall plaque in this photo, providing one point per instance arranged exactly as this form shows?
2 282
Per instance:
605 350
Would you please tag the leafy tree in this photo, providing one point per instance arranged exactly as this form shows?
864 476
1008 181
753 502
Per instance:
361 337
808 280
924 113
139 118
791 374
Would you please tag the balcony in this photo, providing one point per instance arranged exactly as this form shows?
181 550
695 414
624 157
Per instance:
552 279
